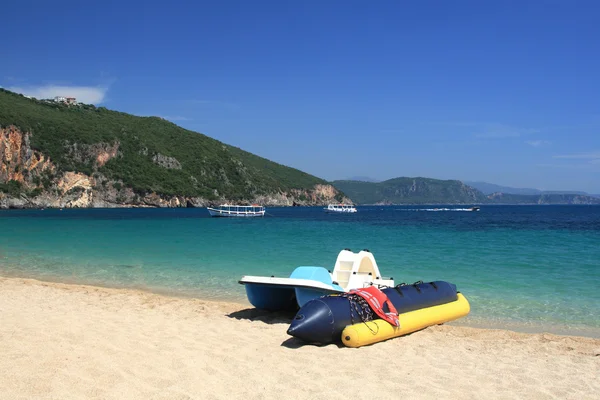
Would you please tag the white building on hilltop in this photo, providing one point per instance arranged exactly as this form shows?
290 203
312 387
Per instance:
67 100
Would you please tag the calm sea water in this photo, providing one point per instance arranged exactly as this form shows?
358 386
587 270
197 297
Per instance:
534 268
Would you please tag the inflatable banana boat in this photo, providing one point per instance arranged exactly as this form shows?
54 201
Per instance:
349 319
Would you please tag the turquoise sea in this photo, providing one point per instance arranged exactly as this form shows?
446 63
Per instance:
527 268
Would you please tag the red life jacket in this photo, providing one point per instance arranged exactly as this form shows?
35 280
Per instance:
376 299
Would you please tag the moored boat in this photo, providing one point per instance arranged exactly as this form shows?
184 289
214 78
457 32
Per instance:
340 208
231 210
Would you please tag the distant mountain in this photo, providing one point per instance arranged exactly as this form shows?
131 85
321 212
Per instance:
566 192
434 191
489 188
362 179
410 191
545 198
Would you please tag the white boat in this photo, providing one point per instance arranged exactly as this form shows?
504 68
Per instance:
340 208
351 271
231 210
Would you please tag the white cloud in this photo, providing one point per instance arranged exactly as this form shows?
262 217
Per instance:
592 158
490 130
537 143
582 156
585 166
83 94
503 131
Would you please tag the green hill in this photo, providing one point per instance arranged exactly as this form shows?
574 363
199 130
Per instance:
144 154
411 191
434 191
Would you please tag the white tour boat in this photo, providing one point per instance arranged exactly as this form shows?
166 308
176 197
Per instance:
340 208
231 210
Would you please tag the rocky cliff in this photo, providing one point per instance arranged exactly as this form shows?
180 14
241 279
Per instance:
30 179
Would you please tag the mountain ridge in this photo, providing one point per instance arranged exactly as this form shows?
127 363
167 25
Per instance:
410 190
418 190
490 188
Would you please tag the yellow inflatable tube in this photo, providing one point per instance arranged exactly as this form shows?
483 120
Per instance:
363 334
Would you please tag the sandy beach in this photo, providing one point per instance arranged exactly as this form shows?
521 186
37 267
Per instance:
61 341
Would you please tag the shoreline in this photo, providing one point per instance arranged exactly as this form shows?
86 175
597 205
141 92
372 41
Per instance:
119 206
469 321
78 341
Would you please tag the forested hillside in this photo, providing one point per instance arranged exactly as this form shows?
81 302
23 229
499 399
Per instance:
143 154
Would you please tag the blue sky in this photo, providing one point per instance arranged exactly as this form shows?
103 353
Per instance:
506 92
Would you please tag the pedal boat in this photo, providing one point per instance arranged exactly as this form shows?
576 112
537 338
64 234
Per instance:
351 271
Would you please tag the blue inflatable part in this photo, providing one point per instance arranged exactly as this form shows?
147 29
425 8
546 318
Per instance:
413 297
322 320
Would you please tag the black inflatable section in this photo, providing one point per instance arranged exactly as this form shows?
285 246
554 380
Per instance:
322 320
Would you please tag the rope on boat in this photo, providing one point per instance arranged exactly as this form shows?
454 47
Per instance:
361 308
364 311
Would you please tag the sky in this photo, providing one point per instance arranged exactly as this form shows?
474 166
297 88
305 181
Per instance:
506 92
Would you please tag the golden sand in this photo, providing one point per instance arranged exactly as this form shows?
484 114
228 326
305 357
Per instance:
61 341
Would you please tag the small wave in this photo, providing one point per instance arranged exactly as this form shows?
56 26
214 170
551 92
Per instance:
435 209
